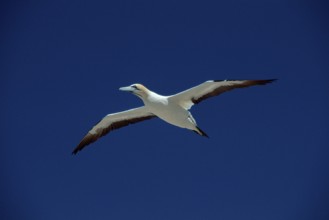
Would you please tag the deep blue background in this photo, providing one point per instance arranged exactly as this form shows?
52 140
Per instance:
62 63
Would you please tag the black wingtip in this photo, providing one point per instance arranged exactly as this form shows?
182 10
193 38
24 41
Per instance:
269 80
77 149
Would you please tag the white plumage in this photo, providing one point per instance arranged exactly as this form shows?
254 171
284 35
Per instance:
173 109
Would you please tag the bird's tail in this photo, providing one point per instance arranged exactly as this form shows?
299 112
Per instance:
200 132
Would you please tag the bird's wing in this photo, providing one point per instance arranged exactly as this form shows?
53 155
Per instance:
111 122
211 88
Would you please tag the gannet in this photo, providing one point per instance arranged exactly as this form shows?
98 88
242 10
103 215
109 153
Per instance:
173 109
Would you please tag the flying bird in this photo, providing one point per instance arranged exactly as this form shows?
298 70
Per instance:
173 109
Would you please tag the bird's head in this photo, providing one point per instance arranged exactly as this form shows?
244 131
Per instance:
136 89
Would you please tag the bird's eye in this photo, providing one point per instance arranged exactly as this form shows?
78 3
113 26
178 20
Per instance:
134 86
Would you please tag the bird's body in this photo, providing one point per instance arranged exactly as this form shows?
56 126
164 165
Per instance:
172 109
168 110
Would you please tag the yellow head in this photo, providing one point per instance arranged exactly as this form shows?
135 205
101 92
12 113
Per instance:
136 89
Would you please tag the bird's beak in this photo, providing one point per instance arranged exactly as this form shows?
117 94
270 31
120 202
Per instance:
126 89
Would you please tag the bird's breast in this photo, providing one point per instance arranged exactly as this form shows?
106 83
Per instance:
169 112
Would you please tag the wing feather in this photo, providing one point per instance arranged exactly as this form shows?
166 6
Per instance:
212 88
111 122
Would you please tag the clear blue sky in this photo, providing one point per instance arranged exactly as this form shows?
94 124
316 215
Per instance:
62 63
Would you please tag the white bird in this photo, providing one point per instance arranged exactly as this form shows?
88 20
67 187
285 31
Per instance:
173 109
